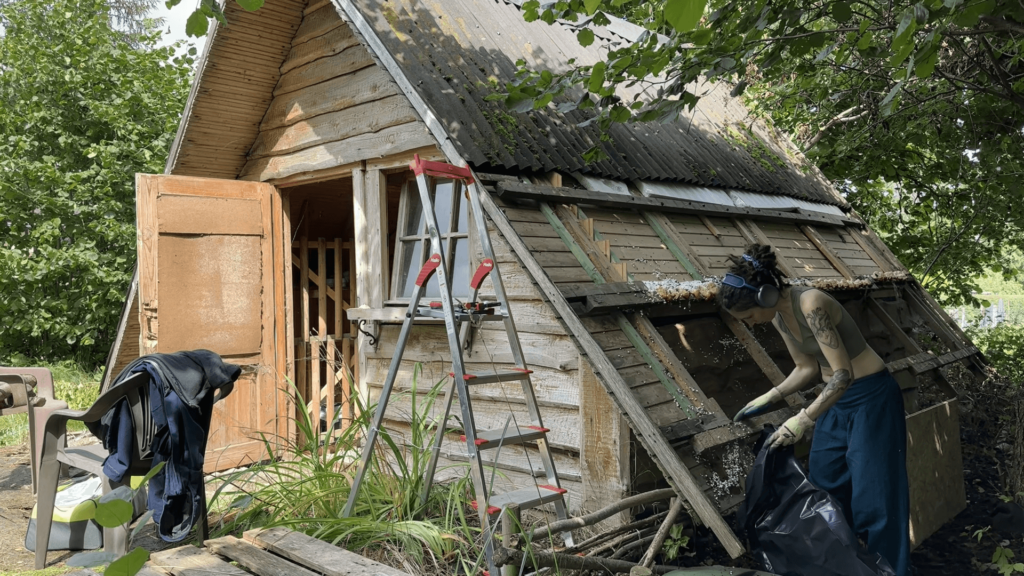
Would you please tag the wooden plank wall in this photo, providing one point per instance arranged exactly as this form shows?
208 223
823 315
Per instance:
549 352
331 106
634 242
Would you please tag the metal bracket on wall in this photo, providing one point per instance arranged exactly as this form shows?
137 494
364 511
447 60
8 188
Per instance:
372 337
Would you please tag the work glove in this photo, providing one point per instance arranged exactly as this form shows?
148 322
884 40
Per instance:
758 405
791 431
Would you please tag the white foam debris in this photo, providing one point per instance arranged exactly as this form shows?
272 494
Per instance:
672 290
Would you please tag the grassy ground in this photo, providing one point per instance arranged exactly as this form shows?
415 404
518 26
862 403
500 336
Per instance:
74 384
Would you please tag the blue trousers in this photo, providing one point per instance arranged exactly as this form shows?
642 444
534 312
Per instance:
859 456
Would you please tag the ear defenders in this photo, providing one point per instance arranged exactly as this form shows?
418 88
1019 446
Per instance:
766 295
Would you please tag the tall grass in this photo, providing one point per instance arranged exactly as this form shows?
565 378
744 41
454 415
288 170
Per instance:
307 480
77 385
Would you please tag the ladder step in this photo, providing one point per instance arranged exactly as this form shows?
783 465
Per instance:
460 316
515 375
526 498
487 439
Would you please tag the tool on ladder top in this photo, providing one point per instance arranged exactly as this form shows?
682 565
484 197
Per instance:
459 318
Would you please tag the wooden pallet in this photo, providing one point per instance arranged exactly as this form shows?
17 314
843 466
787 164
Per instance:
272 552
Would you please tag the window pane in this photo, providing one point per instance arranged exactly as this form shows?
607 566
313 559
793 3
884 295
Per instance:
443 205
412 261
415 223
460 269
463 212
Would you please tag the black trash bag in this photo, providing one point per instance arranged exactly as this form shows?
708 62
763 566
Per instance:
795 528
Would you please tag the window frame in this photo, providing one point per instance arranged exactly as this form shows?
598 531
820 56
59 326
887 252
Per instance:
449 239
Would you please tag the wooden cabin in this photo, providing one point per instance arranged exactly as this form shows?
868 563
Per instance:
283 236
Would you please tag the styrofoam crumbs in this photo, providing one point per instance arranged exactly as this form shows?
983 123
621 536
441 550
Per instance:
735 462
671 290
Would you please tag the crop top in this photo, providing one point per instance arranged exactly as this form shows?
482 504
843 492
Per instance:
849 334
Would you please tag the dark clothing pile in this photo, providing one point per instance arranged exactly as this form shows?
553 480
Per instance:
181 394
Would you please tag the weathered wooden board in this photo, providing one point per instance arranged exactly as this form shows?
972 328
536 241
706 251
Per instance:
256 559
317 71
604 446
334 126
317 23
554 389
333 42
317 555
427 343
935 469
338 93
392 140
191 561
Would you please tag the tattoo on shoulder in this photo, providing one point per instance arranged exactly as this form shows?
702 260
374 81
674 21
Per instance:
821 325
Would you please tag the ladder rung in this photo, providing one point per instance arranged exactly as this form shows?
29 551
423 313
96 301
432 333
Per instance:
423 312
486 439
515 375
526 498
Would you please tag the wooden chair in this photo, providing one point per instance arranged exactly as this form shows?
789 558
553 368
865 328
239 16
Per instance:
90 458
45 403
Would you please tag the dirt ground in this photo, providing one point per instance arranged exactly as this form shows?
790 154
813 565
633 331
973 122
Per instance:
16 502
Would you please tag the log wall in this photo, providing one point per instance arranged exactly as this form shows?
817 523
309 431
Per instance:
332 105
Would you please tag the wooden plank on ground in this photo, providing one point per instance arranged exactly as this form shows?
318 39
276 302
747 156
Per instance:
191 561
317 555
256 559
740 430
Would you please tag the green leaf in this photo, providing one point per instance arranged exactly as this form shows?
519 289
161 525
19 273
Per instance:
114 513
900 56
886 104
596 77
683 15
926 66
619 114
152 472
591 5
129 564
585 37
865 40
841 11
702 36
250 5
197 24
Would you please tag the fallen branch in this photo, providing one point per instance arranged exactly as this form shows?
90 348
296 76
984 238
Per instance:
504 556
617 542
659 538
605 536
633 546
595 517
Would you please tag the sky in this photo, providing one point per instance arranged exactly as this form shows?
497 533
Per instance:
174 21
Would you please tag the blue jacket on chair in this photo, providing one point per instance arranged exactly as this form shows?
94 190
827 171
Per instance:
181 396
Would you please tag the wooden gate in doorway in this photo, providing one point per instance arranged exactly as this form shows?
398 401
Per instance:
325 343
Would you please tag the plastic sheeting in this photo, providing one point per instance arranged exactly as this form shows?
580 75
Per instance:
795 528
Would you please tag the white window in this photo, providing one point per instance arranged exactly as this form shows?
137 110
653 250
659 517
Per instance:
412 247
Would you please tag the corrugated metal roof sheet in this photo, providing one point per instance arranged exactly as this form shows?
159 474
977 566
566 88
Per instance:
457 52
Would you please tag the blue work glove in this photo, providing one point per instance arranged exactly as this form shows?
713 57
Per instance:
758 405
791 431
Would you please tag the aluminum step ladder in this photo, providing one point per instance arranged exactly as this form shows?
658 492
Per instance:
460 319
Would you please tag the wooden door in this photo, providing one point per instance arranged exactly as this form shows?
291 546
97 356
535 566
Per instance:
211 262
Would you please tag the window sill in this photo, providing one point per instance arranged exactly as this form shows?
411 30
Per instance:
392 315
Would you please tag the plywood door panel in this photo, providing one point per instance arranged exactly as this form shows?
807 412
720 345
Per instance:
210 261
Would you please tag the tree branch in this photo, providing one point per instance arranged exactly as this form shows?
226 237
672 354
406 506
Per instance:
841 117
1003 24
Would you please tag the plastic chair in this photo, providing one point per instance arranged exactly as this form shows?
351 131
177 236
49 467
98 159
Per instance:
90 458
37 413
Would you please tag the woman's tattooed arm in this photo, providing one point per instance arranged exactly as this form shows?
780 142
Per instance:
837 385
819 322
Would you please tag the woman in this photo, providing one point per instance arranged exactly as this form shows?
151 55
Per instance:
858 453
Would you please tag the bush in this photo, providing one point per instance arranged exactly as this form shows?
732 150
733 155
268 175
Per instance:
1003 346
306 484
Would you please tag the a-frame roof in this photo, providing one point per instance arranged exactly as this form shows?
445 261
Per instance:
448 57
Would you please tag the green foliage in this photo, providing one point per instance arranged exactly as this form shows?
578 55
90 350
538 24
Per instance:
1003 346
306 484
912 108
198 23
1003 559
675 543
82 109
114 510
